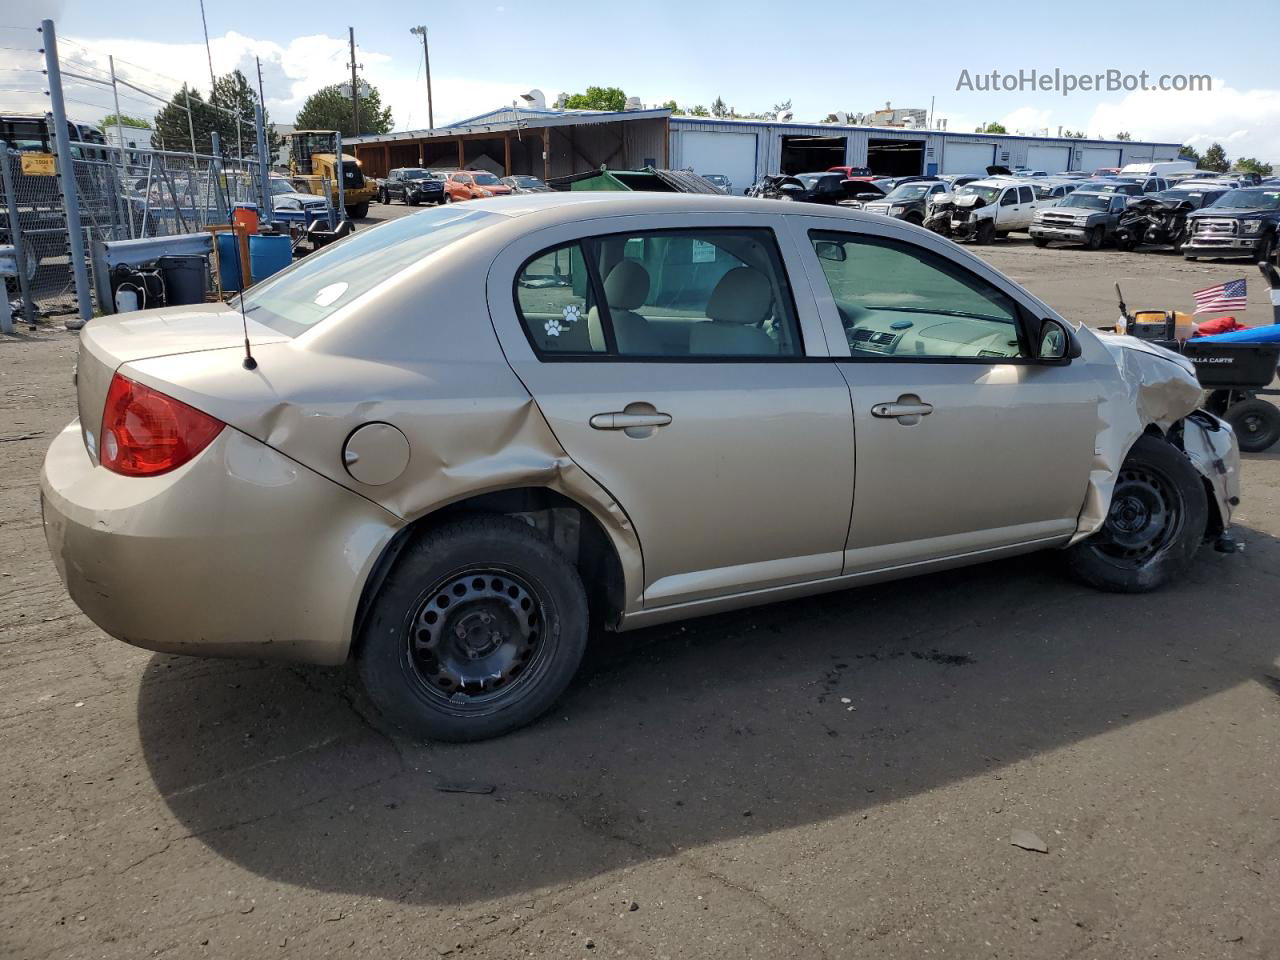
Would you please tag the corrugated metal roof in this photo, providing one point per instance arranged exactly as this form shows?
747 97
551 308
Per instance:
509 118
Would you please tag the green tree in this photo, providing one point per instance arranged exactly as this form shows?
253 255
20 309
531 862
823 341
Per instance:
110 121
719 108
233 96
698 110
1124 135
782 107
1253 165
172 131
672 106
328 109
1073 134
1188 152
992 127
598 98
1215 158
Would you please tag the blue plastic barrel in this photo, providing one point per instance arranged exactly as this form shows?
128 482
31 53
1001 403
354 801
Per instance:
269 255
228 261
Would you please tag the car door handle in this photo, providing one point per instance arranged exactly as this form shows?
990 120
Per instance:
890 410
621 420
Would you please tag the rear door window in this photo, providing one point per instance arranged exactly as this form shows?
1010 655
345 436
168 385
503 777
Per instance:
665 294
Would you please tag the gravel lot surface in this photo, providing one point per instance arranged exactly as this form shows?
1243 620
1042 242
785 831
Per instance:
704 790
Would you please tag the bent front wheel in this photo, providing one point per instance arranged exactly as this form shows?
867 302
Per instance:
1154 526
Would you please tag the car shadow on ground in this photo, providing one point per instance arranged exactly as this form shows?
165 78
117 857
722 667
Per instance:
680 736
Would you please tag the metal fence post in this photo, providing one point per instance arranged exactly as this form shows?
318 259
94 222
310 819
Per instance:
67 176
264 174
341 174
217 180
15 236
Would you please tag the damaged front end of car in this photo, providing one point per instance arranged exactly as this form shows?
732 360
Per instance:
1156 392
955 217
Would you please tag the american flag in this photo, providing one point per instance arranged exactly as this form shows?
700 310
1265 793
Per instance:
1232 295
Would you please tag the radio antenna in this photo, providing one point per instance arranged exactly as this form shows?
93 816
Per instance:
250 364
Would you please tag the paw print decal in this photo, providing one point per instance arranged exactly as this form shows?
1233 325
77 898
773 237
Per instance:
553 328
571 314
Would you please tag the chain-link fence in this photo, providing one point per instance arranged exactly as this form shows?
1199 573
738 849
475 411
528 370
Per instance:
123 195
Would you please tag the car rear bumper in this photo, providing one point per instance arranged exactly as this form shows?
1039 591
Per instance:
240 552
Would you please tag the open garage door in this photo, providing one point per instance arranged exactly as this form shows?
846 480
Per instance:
967 157
1050 159
895 158
733 154
1091 158
812 154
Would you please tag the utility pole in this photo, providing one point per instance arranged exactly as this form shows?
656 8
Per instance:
355 89
426 58
208 53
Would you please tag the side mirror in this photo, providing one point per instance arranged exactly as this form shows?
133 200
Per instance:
1056 343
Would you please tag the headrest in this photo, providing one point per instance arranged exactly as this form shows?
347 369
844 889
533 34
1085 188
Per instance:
743 295
627 285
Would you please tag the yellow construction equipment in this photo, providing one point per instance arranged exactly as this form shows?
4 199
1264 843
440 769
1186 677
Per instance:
312 163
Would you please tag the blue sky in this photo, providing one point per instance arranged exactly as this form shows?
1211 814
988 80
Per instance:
751 53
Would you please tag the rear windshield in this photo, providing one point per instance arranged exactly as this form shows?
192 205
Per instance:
313 289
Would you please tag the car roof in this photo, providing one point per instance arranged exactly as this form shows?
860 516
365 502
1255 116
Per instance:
573 206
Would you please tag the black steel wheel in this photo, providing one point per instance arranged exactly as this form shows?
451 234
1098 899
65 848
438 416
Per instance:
1256 423
476 631
1095 238
1154 525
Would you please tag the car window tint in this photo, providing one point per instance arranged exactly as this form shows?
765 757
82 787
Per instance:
900 301
553 296
667 294
1025 195
1009 198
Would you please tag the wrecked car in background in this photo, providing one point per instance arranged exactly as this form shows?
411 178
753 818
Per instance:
1083 217
452 512
1242 223
907 201
1160 219
985 209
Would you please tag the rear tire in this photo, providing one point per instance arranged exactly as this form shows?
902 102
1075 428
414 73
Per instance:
1155 524
359 211
477 631
1040 242
1256 423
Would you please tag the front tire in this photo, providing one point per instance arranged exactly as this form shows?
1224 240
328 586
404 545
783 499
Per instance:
1095 238
359 211
1154 526
1040 242
477 631
986 232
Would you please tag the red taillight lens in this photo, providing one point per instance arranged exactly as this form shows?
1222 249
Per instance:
145 433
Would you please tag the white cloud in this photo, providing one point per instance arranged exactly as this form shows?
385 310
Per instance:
1029 121
1246 122
290 73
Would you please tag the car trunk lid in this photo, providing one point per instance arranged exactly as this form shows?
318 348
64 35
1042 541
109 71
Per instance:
108 342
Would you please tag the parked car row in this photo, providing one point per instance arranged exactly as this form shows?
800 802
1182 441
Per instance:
417 185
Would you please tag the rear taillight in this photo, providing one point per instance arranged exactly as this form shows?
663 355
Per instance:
145 433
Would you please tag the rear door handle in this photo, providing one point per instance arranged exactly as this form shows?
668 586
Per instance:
621 420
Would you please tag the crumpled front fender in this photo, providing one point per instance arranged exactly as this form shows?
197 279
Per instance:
1153 387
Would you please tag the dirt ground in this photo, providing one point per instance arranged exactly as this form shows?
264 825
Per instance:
704 790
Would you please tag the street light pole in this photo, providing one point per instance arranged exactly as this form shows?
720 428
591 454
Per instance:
426 59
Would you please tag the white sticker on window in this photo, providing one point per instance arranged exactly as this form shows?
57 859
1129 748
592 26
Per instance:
553 328
330 294
571 313
704 252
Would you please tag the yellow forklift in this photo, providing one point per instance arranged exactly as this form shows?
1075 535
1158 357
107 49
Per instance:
312 161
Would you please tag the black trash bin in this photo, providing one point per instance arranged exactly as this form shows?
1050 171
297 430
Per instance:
186 278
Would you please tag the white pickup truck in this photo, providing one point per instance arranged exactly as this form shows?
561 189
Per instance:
986 209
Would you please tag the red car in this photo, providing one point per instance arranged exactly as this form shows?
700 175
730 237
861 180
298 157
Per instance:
853 173
471 184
